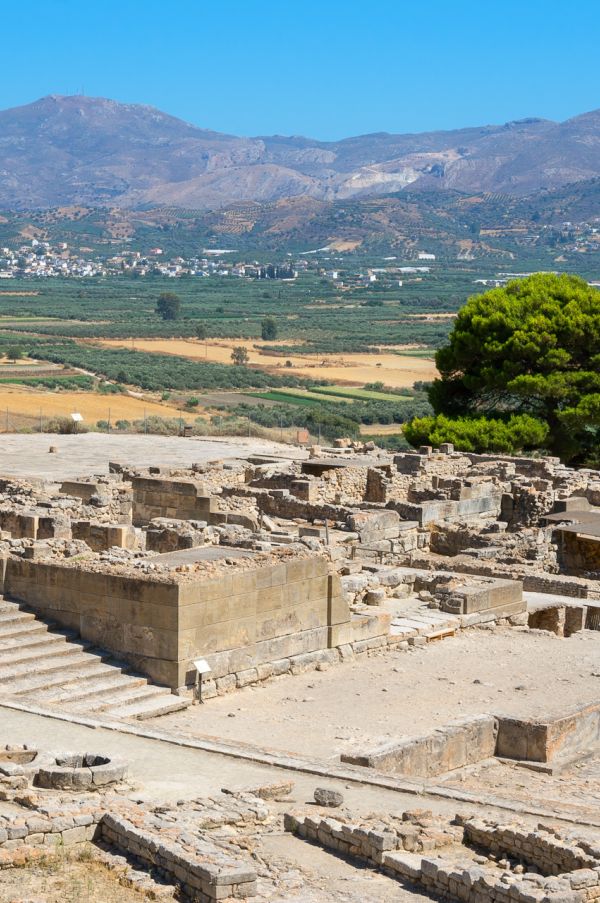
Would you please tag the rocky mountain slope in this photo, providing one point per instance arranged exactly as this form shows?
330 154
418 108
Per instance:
79 150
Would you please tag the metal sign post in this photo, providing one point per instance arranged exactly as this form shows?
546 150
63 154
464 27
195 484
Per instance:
202 667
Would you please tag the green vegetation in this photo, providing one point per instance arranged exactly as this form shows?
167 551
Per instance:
168 306
268 329
156 372
531 348
479 434
360 394
239 356
288 397
14 353
73 382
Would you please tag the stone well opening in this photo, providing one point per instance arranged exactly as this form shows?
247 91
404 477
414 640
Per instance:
80 771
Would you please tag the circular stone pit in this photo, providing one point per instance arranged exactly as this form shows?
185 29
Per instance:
80 771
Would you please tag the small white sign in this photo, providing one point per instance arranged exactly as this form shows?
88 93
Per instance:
202 666
76 418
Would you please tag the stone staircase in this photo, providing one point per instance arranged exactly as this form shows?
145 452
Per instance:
47 666
421 621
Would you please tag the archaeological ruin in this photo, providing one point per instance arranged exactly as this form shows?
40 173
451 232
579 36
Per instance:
154 601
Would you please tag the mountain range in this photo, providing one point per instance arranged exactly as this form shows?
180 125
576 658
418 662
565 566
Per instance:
74 150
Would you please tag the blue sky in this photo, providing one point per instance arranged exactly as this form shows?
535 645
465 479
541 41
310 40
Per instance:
323 69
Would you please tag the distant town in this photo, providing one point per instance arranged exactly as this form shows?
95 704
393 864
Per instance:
44 259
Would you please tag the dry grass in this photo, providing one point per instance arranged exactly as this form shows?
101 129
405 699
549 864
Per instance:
395 370
91 405
380 429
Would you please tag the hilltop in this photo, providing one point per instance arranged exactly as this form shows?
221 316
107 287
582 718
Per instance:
74 150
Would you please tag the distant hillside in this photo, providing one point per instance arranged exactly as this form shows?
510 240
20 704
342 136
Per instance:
449 221
94 152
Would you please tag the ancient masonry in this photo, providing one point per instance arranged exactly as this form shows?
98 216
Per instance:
268 566
118 590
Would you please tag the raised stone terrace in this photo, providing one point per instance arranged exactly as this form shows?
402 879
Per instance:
389 626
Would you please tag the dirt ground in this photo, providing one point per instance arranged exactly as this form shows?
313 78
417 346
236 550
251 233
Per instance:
89 453
394 370
575 792
75 878
307 873
360 704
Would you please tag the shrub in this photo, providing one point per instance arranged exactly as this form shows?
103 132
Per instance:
479 434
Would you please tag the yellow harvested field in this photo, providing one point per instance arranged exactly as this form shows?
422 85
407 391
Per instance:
395 370
91 405
380 429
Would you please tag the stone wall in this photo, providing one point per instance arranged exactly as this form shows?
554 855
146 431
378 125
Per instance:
136 617
565 738
578 553
464 742
570 869
205 876
237 620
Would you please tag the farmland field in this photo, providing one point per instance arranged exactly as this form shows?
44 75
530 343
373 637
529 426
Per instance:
346 393
390 368
91 405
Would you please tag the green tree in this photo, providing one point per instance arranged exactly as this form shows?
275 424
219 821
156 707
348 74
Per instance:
520 432
168 306
268 328
201 331
532 347
14 353
239 356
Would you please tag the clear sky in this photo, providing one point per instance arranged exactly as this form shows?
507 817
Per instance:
322 69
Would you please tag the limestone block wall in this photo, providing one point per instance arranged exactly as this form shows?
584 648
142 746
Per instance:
577 553
461 743
251 617
238 620
135 617
566 737
180 499
100 537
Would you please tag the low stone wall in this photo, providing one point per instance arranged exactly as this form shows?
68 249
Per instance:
500 597
434 511
100 537
204 877
544 850
571 869
461 743
180 499
36 829
565 738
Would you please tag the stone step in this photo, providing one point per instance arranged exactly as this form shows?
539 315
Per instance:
31 651
70 657
20 629
121 696
30 641
151 708
53 647
8 606
94 686
92 667
45 664
16 615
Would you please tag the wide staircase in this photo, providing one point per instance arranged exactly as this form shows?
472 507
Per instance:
44 665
